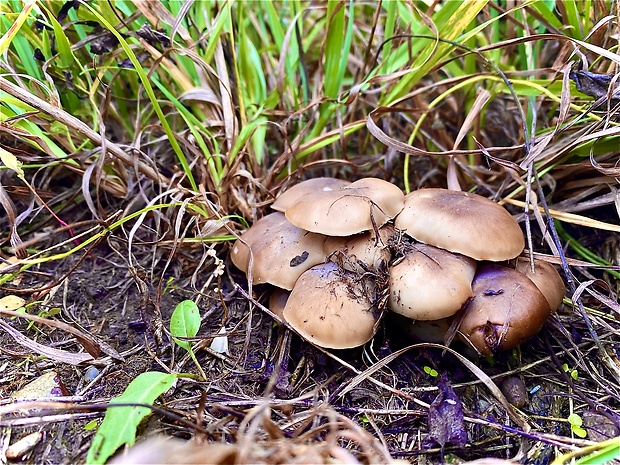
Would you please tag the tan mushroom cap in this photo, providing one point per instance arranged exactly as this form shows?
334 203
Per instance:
329 308
365 247
461 222
359 206
506 310
308 187
546 278
430 283
281 251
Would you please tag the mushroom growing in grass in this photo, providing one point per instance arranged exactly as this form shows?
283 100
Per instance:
461 222
332 307
281 251
507 309
304 188
430 283
360 206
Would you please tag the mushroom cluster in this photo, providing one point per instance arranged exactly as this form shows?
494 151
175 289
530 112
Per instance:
347 251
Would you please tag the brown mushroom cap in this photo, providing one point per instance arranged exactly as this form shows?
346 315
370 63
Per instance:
546 278
430 283
461 222
359 206
329 307
281 251
506 310
308 187
365 247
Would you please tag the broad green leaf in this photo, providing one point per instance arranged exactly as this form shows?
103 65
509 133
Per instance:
185 322
608 451
120 423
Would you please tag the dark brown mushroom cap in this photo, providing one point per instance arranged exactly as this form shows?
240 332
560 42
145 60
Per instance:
506 310
308 187
546 278
330 307
430 283
461 222
281 251
357 207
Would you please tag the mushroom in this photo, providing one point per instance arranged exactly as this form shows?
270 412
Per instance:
428 330
308 187
332 307
360 206
367 247
277 301
506 310
281 251
461 222
430 283
546 279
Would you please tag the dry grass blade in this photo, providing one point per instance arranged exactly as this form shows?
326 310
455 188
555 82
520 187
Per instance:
89 344
481 375
568 217
72 122
58 355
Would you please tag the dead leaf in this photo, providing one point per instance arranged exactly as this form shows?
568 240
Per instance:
11 302
90 345
55 354
446 422
46 386
23 446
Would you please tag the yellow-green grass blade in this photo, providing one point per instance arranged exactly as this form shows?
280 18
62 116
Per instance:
63 47
214 163
450 20
149 90
11 108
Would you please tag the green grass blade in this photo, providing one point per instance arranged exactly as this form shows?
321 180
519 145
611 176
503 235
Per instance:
149 90
451 20
63 47
334 49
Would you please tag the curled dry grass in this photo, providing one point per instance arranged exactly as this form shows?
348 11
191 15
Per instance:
158 130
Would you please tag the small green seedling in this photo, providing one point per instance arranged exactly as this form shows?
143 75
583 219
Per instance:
430 371
91 425
573 373
185 322
169 284
575 425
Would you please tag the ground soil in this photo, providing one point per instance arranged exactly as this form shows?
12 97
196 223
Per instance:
129 311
